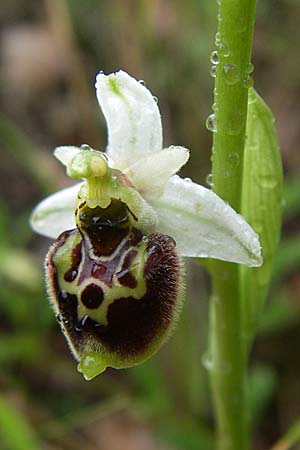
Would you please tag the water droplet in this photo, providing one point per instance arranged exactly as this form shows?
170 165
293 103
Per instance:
209 180
215 299
234 125
207 361
218 38
249 68
223 50
58 317
188 180
268 182
214 57
145 239
234 159
211 123
85 147
215 107
231 73
142 82
213 71
248 82
155 99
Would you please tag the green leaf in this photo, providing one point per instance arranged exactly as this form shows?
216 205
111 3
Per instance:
263 382
290 438
18 146
261 205
279 314
14 429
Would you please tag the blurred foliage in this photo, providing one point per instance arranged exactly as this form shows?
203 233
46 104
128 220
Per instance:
50 52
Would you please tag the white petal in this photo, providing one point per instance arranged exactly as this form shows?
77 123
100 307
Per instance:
66 154
55 214
132 116
151 173
203 225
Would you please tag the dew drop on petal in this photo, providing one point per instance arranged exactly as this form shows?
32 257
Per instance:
155 99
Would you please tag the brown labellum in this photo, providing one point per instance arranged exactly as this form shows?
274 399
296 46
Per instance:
116 291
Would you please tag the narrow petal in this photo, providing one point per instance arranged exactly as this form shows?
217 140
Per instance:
55 214
203 225
66 154
132 116
151 173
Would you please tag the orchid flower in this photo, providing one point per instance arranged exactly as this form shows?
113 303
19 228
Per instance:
114 273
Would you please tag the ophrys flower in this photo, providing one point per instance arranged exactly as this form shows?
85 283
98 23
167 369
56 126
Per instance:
115 272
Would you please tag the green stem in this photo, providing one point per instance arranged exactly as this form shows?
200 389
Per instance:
228 369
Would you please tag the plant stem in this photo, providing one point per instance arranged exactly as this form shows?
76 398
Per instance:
227 346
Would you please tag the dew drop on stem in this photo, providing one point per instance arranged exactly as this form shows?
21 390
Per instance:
211 123
223 50
234 159
218 38
268 182
249 68
214 57
231 74
248 81
213 71
207 361
209 180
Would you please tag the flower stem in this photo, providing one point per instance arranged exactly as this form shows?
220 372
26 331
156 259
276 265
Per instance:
228 368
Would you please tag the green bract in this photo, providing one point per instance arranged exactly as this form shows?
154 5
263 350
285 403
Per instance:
114 272
261 203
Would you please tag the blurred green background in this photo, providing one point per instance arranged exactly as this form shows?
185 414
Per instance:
50 52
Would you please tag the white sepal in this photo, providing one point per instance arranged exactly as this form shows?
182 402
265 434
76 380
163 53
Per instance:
204 226
55 213
65 154
132 117
151 173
